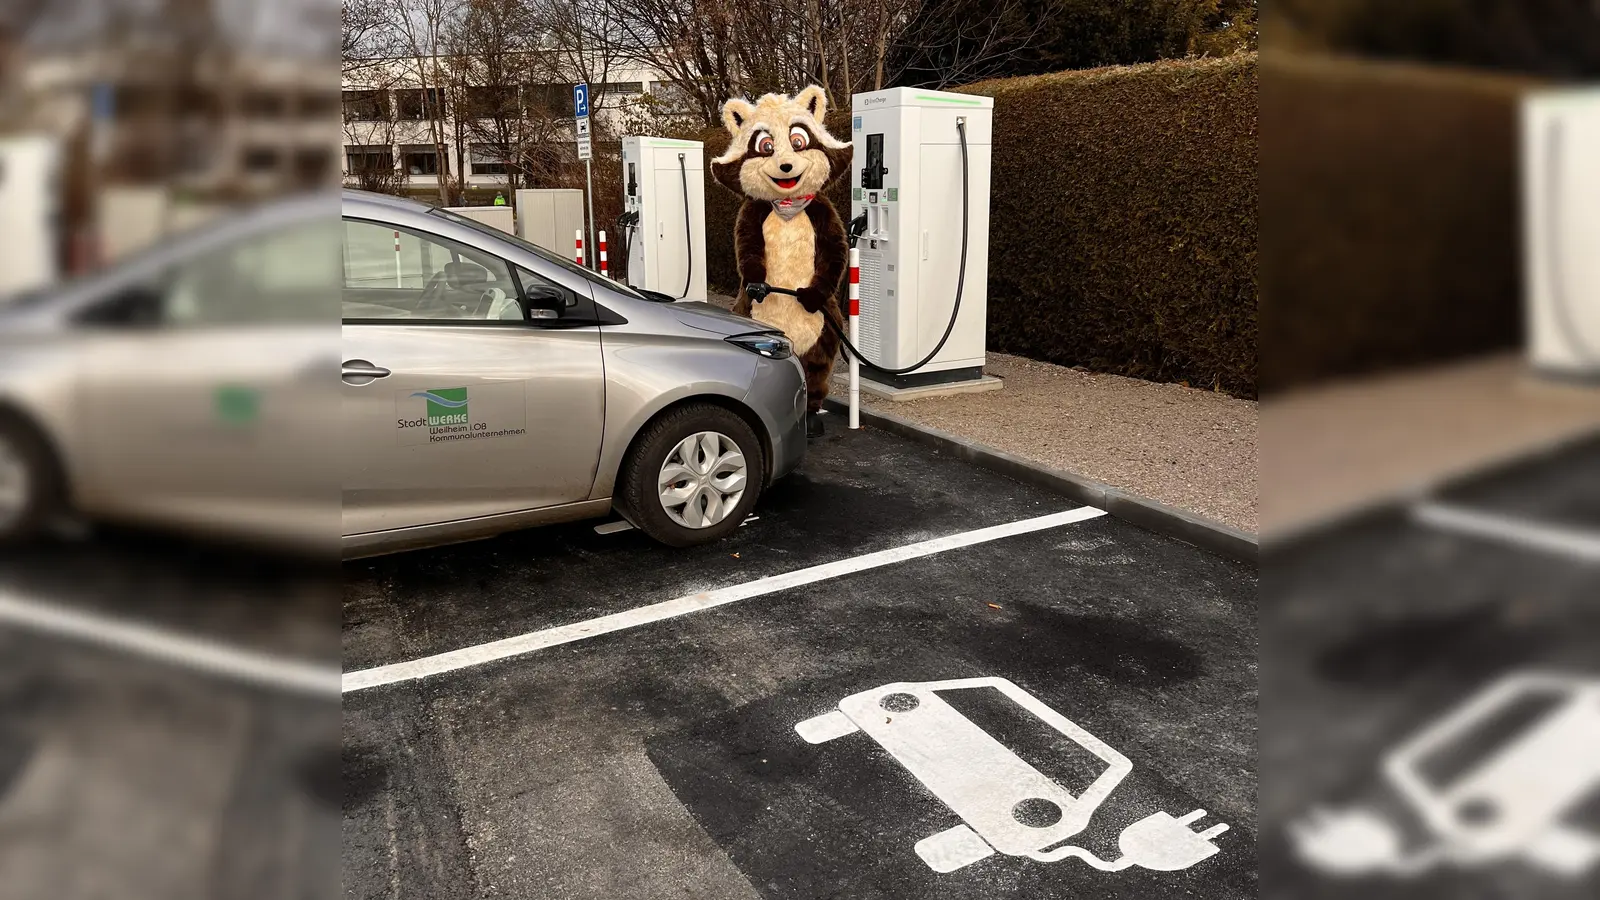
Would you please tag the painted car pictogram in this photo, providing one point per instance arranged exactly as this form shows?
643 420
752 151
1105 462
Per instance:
1511 799
1005 804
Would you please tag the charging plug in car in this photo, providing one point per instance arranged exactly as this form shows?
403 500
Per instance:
1164 844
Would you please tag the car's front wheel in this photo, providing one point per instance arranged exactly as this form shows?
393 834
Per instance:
692 476
28 483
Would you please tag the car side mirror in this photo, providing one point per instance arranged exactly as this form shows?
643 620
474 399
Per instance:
135 306
545 301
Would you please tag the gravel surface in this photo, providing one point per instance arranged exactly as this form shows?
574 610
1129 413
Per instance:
1336 448
1188 448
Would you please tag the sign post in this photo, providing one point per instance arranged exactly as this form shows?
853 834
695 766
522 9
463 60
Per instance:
580 110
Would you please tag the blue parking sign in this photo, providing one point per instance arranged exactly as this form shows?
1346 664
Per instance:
580 100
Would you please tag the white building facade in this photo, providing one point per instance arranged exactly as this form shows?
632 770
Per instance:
487 132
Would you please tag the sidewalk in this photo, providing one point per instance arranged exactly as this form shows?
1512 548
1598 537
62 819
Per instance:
1341 448
1187 448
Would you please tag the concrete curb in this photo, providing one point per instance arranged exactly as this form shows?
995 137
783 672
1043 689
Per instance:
1395 503
1223 540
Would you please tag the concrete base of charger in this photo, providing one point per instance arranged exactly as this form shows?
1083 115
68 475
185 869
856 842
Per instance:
871 388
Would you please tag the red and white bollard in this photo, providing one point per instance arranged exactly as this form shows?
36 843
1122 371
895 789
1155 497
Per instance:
605 270
578 244
855 338
397 280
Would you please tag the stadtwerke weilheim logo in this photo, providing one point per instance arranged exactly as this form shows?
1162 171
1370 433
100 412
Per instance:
446 406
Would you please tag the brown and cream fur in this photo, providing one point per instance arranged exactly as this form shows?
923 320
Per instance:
782 139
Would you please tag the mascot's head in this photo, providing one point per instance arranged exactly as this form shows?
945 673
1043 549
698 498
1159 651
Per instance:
780 151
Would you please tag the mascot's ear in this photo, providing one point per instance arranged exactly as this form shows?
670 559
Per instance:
735 113
815 100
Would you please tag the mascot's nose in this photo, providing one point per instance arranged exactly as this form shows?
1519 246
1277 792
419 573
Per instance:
786 167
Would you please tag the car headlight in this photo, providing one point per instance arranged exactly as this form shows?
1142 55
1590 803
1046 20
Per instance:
772 346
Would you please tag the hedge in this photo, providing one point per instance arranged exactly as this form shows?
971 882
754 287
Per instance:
1391 197
1123 220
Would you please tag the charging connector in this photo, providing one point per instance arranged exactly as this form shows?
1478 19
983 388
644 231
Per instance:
1163 844
1157 842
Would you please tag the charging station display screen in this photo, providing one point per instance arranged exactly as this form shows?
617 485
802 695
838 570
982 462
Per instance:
872 175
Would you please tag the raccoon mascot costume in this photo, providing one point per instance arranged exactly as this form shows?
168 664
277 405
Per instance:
789 242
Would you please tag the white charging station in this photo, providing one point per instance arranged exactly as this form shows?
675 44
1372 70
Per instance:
907 177
29 169
1561 193
664 197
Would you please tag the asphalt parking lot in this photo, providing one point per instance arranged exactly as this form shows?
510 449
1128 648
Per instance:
126 769
561 744
1477 608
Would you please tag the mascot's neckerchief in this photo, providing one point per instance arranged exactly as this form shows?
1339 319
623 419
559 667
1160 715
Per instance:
792 206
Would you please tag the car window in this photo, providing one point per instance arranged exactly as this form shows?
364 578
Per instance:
550 257
284 276
395 273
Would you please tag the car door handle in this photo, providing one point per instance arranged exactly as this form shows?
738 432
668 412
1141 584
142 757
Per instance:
359 371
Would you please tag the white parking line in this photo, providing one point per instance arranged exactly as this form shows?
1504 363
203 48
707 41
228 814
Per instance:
208 657
644 615
1566 541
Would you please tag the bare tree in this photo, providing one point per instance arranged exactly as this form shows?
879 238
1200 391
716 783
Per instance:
418 28
496 58
953 47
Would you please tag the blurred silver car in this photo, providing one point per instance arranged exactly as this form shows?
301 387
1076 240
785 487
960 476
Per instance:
487 385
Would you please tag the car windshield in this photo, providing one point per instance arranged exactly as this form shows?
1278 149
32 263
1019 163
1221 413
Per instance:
539 251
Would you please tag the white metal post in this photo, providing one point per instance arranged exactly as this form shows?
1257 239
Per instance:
855 338
397 279
588 174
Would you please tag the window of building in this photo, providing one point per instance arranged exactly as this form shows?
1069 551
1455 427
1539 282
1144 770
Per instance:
670 95
548 99
419 159
621 87
365 106
358 158
311 164
263 104
488 159
316 105
262 159
412 104
490 102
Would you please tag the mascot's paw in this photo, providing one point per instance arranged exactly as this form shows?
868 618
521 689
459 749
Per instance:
811 299
814 425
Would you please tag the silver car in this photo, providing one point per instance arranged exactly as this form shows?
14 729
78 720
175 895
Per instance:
487 385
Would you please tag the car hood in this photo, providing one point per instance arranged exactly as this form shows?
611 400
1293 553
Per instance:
715 319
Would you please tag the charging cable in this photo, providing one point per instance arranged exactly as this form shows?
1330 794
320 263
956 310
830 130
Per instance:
627 224
1158 842
688 240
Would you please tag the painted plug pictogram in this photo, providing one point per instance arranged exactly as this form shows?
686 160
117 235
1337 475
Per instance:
1005 804
1512 796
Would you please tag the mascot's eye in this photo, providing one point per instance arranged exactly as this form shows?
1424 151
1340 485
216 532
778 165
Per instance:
798 138
764 143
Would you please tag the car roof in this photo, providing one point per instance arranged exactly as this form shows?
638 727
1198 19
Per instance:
351 196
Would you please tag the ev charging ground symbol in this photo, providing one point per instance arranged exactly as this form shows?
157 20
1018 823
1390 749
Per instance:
1511 802
1005 804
